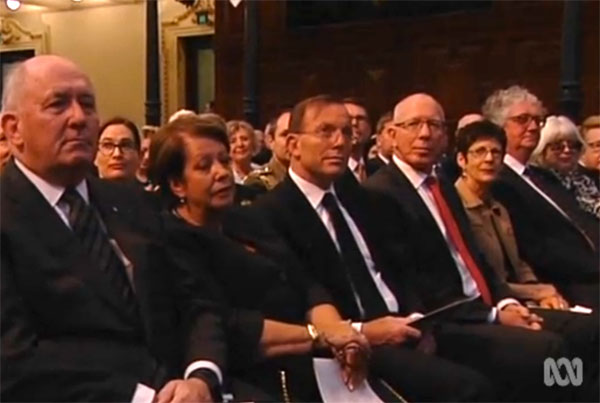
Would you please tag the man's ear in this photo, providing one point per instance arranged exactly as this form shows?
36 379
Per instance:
9 122
269 141
292 145
461 160
178 188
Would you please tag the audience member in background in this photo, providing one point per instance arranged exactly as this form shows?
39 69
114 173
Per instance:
118 156
4 150
142 172
180 113
225 254
86 313
559 150
468 119
589 163
262 153
480 147
243 144
361 132
385 145
555 236
267 177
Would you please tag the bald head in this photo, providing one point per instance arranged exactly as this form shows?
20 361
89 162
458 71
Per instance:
50 118
28 73
414 103
468 119
420 134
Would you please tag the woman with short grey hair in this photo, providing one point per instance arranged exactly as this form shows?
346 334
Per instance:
558 150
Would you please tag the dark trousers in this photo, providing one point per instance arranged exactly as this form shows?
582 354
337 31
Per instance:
511 357
420 377
580 331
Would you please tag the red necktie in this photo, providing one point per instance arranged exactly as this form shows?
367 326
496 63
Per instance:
457 239
361 171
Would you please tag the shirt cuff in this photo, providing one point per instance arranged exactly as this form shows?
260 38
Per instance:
500 306
204 364
506 301
143 394
357 326
492 315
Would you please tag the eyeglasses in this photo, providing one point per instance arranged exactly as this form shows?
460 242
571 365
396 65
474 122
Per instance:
415 125
125 147
561 145
482 152
525 119
328 132
595 145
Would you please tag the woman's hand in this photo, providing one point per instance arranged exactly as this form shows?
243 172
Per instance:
555 301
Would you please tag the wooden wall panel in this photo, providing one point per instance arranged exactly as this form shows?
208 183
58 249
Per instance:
458 58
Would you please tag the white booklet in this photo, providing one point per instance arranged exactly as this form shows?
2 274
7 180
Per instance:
333 389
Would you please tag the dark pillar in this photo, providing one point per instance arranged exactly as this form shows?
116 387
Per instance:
570 72
251 61
152 65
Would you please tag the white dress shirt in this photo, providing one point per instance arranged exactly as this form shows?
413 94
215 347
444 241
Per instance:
519 169
52 193
314 195
417 179
384 159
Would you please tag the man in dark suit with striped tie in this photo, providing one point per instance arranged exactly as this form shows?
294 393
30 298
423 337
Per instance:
85 311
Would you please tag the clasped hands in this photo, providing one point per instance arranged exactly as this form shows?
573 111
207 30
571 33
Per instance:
350 348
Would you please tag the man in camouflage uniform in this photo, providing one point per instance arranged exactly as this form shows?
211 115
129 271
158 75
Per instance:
267 177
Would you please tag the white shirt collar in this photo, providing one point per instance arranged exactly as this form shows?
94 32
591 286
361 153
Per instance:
514 164
417 178
352 163
51 192
313 193
384 159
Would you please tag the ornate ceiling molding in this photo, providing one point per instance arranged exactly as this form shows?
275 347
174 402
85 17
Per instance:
199 7
12 32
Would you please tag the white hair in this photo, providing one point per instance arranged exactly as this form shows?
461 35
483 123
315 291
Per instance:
180 113
496 106
557 128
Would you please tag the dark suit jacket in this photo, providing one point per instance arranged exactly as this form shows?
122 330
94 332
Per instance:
292 216
372 165
439 281
65 333
551 243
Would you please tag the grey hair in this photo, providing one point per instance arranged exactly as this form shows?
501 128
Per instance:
557 128
496 106
13 87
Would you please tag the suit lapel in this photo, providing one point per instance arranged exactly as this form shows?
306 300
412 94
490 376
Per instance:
55 236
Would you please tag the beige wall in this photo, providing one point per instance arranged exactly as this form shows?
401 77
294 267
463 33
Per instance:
109 44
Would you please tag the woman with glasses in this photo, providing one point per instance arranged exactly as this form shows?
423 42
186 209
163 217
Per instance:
480 149
558 150
118 156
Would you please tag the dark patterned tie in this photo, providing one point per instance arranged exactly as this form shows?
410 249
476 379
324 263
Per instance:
85 223
357 272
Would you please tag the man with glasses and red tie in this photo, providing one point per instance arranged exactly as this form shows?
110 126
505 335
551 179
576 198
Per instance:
556 237
428 216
